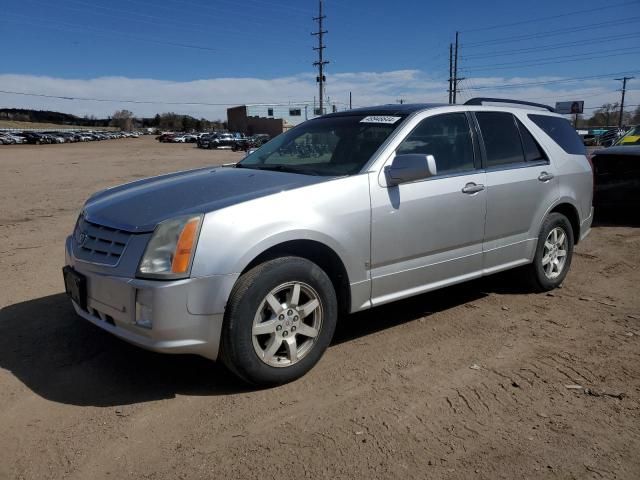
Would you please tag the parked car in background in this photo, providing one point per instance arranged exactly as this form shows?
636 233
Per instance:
184 138
631 137
252 263
224 140
61 136
192 138
260 139
165 137
249 143
609 137
616 173
205 140
17 137
7 139
34 138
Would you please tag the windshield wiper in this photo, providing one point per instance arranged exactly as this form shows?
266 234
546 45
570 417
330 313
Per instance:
280 168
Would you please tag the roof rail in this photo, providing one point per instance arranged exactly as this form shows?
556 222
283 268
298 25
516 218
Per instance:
481 100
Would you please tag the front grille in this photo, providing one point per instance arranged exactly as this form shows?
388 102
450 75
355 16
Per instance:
98 243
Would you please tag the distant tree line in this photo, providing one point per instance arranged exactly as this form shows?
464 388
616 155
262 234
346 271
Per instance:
607 116
47 116
182 123
123 119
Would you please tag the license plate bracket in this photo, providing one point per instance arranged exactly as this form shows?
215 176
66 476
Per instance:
75 285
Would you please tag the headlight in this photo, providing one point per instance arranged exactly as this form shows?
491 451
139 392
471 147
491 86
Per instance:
170 251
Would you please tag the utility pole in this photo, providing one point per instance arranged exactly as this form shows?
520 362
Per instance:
624 89
450 73
456 79
350 104
321 62
400 101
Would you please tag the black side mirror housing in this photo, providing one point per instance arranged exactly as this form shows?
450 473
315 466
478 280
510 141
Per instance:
409 168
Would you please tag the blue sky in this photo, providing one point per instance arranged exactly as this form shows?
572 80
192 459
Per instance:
98 47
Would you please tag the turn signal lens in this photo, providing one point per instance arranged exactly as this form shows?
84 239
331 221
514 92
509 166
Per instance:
184 248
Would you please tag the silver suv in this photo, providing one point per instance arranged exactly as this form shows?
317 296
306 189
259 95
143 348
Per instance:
253 263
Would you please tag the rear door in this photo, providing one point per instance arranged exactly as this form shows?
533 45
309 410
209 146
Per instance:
521 185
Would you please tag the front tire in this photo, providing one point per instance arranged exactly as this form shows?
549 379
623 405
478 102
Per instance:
279 320
553 253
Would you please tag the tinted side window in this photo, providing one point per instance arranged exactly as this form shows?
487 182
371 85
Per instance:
447 137
501 138
561 131
532 151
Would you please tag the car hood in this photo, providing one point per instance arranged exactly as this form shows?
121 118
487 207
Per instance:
139 206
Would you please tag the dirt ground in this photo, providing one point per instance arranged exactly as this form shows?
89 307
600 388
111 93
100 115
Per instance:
467 382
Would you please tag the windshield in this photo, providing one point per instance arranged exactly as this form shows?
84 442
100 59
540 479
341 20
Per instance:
331 146
632 137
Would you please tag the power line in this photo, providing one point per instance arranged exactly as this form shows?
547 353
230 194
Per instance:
70 27
268 5
111 34
559 59
155 102
553 46
577 93
550 17
551 82
596 108
257 19
562 31
158 21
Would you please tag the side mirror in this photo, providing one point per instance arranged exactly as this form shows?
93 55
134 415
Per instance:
410 167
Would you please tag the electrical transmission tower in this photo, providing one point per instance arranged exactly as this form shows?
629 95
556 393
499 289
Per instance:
321 62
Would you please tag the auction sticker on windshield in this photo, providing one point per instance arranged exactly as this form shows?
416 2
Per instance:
380 119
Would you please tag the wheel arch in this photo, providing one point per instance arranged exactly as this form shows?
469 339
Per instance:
320 254
571 212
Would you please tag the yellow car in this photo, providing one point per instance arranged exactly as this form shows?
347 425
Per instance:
632 137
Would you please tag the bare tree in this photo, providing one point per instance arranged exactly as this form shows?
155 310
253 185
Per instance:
605 115
123 119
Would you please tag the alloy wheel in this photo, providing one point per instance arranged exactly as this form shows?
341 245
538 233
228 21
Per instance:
554 256
286 324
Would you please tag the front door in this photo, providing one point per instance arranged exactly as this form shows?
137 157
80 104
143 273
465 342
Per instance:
429 233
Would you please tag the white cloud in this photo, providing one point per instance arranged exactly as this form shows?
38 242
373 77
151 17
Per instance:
368 88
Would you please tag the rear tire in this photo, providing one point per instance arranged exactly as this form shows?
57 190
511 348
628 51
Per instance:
279 320
554 252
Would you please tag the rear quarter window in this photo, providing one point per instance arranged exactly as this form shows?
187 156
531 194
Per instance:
561 131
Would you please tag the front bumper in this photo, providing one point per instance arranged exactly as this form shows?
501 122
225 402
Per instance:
185 315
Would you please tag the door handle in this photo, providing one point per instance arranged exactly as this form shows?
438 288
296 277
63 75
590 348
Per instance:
545 176
472 188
